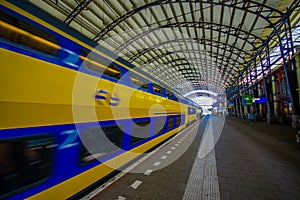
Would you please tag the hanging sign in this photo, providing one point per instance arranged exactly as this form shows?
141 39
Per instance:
260 100
247 100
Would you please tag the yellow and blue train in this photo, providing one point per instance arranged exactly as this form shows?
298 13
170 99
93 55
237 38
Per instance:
42 153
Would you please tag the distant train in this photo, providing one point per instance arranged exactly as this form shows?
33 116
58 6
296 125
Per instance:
42 155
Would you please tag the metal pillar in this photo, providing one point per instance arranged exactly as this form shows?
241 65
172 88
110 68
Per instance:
297 96
292 75
241 112
288 72
242 109
297 67
275 103
271 117
235 107
259 105
254 95
258 87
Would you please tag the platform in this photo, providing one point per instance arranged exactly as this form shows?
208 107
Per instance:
249 161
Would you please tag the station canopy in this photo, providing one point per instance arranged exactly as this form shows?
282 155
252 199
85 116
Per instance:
187 44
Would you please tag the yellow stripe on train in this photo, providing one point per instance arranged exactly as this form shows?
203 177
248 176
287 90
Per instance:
38 93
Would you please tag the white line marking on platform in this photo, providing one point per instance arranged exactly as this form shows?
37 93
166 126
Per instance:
148 172
169 152
173 148
163 157
203 182
179 142
176 145
136 184
121 198
156 164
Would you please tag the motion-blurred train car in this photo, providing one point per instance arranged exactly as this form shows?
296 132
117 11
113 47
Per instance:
70 113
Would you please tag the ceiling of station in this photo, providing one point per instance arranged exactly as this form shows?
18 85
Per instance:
187 44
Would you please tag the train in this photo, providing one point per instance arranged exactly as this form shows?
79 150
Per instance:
72 113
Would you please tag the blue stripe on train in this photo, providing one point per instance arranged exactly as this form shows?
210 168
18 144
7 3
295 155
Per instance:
67 156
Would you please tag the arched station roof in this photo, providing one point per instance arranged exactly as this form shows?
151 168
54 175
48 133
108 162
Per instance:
187 44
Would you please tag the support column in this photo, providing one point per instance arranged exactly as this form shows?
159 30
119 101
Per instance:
255 90
240 107
275 103
252 110
269 88
259 105
235 107
288 67
292 68
269 93
296 116
297 64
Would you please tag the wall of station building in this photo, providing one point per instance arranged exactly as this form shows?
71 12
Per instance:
282 96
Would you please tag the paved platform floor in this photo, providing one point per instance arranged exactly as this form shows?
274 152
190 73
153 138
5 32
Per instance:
208 161
258 161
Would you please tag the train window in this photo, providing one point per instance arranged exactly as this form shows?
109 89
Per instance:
198 115
178 120
140 131
95 65
157 89
22 33
169 94
113 71
24 162
175 98
191 111
159 125
138 82
99 142
170 123
85 52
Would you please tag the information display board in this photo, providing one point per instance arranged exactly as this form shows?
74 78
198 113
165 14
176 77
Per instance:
247 100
